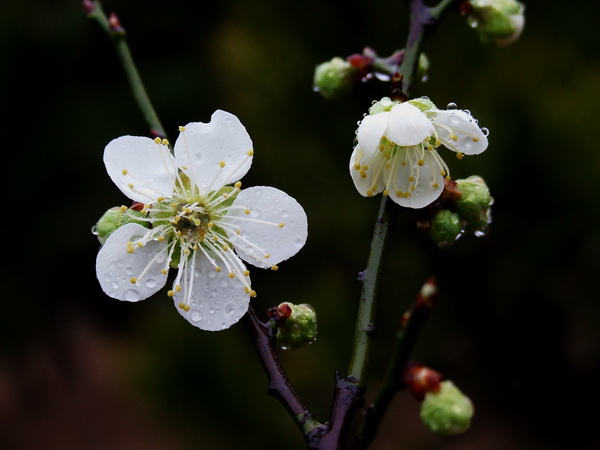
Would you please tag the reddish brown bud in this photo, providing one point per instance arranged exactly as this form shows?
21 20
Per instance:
137 206
89 6
115 24
420 380
281 313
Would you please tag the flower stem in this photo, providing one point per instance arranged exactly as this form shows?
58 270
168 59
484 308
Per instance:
116 32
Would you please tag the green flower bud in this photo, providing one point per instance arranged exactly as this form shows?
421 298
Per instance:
299 328
423 67
446 227
473 205
447 411
113 219
499 21
333 79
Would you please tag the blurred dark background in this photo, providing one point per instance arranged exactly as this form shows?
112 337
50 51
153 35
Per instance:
516 326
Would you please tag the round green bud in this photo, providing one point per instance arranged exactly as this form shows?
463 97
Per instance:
498 21
446 227
333 79
299 328
474 203
423 67
447 411
385 104
113 219
423 103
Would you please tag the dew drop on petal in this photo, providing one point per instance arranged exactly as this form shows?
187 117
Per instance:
195 315
485 131
150 283
212 274
115 285
131 295
211 310
229 308
129 271
451 106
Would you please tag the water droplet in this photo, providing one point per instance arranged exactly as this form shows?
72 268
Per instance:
451 106
299 241
115 285
224 283
211 310
195 315
95 230
129 271
229 308
212 274
485 131
223 325
150 283
131 295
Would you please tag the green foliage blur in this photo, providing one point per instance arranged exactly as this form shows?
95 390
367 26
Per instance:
516 323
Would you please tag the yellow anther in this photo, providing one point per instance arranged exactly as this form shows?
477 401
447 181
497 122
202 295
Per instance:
231 275
225 247
195 247
365 167
130 185
164 271
363 174
160 238
385 192
475 139
186 308
157 140
140 244
124 171
454 137
250 153
210 224
170 293
160 199
459 155
403 163
381 148
399 193
186 251
438 142
356 166
181 129
369 193
246 289
221 163
165 142
246 273
281 225
123 208
443 173
412 188
217 269
274 268
178 288
267 255
238 231
388 165
238 184
196 221
252 293
411 178
407 195
420 162
435 185
181 305
133 280
247 211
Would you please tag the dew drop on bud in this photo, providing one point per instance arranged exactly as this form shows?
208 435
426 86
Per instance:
451 106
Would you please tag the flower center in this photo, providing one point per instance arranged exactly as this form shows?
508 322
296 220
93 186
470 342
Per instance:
192 222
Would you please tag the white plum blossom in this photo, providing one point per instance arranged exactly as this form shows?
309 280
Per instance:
198 220
395 151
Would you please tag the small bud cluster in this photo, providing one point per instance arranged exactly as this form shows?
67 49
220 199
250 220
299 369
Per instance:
463 207
497 21
296 324
444 408
115 218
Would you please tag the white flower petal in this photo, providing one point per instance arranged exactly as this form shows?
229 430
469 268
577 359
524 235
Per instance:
418 186
216 153
470 140
371 130
116 268
272 226
215 301
408 125
366 173
142 169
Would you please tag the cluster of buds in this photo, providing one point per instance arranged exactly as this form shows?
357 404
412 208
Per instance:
335 78
463 207
496 21
296 324
115 218
444 408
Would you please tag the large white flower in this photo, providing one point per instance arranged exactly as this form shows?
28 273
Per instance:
395 151
197 222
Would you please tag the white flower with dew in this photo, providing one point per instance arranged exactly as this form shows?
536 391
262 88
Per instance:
198 222
395 151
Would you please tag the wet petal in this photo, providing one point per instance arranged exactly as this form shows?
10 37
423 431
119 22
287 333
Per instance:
142 169
212 300
367 173
267 226
371 130
116 268
469 139
412 185
216 153
408 125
